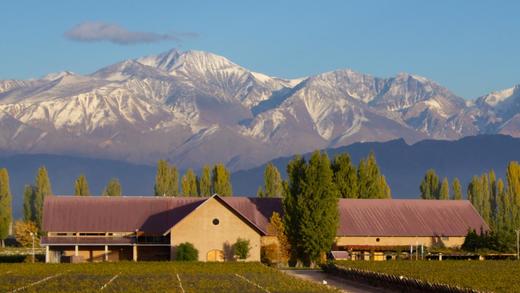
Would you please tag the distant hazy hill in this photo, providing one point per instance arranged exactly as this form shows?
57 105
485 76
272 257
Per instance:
404 165
63 170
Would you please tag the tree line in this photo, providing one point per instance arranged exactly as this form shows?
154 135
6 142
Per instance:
216 179
496 200
349 180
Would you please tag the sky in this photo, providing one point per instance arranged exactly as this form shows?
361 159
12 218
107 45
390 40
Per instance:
470 47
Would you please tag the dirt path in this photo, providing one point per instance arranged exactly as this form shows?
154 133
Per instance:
319 276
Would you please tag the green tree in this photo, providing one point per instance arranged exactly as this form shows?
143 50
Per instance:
513 192
221 180
189 184
205 181
444 192
272 182
113 188
345 176
311 208
370 181
42 190
291 204
456 189
5 205
29 194
81 186
166 179
430 187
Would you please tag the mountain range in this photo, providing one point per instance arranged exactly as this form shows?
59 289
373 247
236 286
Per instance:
196 107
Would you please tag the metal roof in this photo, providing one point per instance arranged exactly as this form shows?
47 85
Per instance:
358 217
408 217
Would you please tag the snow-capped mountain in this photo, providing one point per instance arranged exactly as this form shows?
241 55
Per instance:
195 107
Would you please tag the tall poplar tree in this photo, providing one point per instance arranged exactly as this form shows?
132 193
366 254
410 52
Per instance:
345 176
272 182
456 189
312 212
161 178
113 188
221 180
370 183
430 187
166 179
5 205
42 189
205 181
292 205
444 192
189 184
81 186
29 194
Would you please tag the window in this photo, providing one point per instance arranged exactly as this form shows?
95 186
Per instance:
216 221
445 238
377 239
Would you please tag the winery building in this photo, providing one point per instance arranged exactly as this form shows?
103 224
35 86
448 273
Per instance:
101 228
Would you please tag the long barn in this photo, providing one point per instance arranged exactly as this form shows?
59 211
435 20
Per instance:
101 228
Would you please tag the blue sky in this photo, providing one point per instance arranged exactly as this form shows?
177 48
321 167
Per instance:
471 47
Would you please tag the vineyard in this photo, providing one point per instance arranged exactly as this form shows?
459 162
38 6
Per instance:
150 277
496 276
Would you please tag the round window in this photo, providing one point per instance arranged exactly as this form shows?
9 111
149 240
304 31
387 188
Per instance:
216 221
377 239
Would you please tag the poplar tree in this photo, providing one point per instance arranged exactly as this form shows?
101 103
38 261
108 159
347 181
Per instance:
166 179
81 186
113 188
345 176
161 178
513 192
444 192
430 185
272 182
221 180
292 205
42 189
370 183
5 206
189 184
29 194
205 181
456 189
311 208
485 198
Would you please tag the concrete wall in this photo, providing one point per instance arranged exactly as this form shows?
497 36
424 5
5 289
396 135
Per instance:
198 229
398 241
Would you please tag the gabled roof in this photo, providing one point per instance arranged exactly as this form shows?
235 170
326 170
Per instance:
357 217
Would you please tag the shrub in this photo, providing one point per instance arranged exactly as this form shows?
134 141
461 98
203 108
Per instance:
270 254
187 252
242 248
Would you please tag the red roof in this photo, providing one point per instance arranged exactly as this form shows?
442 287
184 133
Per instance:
358 217
408 217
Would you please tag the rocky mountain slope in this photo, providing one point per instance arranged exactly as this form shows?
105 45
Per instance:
195 107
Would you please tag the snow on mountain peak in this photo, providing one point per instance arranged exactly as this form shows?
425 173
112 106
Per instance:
495 98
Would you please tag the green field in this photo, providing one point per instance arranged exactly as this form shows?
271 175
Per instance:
497 276
151 277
